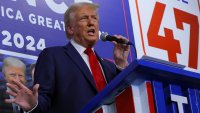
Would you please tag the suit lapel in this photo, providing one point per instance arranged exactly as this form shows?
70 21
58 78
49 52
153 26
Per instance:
77 59
105 70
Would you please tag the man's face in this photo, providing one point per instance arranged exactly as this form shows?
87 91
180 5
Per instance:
16 73
85 26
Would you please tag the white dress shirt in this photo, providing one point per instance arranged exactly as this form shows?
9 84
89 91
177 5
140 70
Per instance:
81 50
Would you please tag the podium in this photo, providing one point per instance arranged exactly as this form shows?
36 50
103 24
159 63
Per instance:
148 86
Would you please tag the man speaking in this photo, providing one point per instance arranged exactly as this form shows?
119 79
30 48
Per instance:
68 77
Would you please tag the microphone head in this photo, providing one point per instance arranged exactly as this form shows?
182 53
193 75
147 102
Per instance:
103 36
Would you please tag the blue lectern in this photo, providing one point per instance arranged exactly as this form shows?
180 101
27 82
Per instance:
150 86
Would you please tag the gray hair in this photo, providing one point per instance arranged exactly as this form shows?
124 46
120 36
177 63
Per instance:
13 62
73 8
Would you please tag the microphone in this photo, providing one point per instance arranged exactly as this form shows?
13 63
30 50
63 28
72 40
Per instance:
106 37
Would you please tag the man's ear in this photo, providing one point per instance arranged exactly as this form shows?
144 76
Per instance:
69 30
4 76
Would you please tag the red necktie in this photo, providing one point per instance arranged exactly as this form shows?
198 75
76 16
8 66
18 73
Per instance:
96 69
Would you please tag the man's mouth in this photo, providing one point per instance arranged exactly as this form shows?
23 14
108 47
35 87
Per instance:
91 32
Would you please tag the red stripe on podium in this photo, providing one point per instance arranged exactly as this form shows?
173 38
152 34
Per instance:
124 102
100 110
150 97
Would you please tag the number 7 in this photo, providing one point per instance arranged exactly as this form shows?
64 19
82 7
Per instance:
192 20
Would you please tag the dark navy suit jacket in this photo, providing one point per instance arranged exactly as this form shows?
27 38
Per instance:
66 83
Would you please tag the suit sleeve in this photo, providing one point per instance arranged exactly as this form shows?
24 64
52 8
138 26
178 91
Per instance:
45 76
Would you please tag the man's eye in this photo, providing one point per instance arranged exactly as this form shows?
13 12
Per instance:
12 75
83 18
95 18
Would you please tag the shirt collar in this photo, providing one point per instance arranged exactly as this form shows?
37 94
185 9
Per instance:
78 47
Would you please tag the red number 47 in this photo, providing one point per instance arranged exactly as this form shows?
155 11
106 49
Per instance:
167 42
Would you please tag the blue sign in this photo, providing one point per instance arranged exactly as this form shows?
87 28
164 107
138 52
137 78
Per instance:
27 27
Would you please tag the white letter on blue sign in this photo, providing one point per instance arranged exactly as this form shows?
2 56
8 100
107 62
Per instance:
58 8
180 101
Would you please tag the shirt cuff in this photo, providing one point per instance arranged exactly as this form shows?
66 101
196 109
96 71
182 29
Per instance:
32 108
120 68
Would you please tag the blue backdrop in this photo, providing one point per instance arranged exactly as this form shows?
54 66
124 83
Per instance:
27 27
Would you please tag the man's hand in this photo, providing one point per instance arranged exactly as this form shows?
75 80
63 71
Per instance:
121 52
23 96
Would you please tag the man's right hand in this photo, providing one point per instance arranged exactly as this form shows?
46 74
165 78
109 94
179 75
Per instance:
23 96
